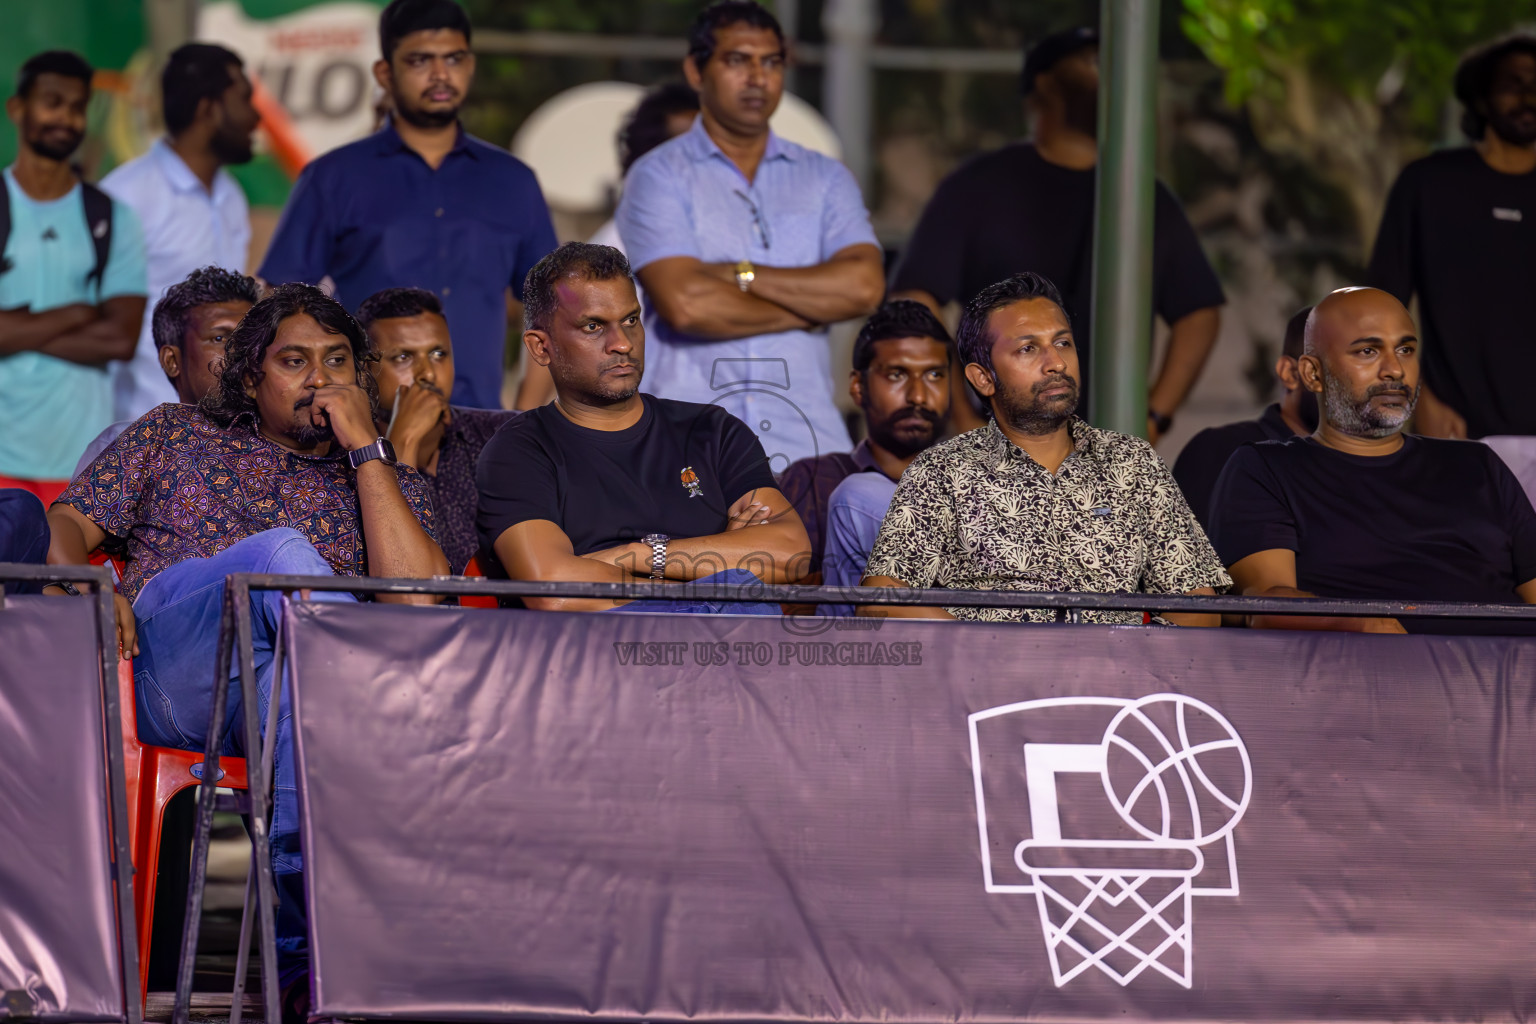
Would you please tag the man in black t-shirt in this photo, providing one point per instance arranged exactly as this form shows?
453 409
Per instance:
1459 232
611 485
1029 206
1205 455
1360 510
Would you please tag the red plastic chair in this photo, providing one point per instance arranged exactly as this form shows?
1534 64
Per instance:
479 600
154 775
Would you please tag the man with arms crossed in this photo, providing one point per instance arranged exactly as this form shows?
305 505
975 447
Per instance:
1037 499
1362 510
281 470
442 442
611 485
65 313
748 245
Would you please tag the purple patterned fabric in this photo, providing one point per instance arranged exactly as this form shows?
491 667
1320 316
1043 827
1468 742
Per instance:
175 486
455 496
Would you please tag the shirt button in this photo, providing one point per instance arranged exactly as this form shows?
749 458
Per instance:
447 292
439 212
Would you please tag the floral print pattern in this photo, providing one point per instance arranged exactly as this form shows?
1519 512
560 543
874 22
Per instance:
175 486
977 513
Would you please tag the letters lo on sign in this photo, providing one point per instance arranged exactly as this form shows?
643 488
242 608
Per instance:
1125 813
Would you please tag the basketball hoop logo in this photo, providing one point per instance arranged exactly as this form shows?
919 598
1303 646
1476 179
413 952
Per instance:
1113 876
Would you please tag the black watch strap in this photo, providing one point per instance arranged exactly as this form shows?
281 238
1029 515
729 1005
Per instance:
380 449
1161 420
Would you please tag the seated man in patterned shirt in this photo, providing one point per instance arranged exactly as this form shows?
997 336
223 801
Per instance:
438 440
1037 499
279 470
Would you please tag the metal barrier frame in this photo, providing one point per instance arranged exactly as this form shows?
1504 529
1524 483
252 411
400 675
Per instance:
235 629
99 580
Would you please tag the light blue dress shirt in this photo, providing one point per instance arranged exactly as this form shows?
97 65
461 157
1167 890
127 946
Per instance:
185 227
855 511
51 408
686 198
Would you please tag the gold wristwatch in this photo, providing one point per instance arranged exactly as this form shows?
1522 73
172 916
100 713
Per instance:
745 275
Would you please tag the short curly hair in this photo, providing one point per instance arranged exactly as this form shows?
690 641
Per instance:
247 347
1474 79
392 303
202 287
973 338
573 259
899 318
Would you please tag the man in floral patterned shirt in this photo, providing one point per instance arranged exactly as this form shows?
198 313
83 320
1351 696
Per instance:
1037 499
279 470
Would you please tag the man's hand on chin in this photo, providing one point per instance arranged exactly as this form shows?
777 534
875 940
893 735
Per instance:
345 407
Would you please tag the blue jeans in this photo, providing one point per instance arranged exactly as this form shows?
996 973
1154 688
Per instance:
738 576
178 619
23 534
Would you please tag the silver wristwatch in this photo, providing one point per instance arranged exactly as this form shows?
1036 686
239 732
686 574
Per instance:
658 543
381 449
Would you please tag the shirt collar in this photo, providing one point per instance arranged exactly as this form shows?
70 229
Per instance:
1000 452
863 458
246 421
180 176
1273 424
700 146
391 143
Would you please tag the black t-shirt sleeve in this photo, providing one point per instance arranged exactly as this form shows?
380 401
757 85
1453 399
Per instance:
517 481
1249 511
743 463
1182 278
1197 469
934 260
1519 518
1391 267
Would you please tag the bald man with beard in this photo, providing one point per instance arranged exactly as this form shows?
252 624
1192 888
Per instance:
1360 509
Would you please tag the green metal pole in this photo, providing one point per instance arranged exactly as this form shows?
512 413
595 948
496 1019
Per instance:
1122 230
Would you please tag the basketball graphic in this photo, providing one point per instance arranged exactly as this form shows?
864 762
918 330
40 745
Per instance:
1125 814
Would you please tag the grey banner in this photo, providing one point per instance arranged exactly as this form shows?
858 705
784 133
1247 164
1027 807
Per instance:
665 817
58 923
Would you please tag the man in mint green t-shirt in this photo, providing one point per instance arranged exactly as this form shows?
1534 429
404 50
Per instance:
64 314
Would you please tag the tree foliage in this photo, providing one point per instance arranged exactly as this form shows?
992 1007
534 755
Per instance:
1355 88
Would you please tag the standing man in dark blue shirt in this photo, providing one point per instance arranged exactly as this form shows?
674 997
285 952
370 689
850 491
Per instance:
421 203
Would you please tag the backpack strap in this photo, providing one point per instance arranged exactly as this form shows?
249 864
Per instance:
5 225
98 220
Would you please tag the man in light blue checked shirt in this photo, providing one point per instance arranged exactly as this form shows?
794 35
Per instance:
748 246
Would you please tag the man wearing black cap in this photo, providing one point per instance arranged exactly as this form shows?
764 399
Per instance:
1459 232
1029 206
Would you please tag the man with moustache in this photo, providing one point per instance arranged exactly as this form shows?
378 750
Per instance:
421 203
611 485
1204 455
189 328
1459 232
900 379
1362 510
191 209
280 470
1029 206
748 246
1037 499
440 441
71 284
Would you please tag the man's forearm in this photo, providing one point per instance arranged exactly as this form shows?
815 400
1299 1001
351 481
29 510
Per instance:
842 288
1327 623
777 552
21 330
397 544
96 344
1189 345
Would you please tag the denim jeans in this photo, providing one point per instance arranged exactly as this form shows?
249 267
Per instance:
737 576
23 534
178 620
